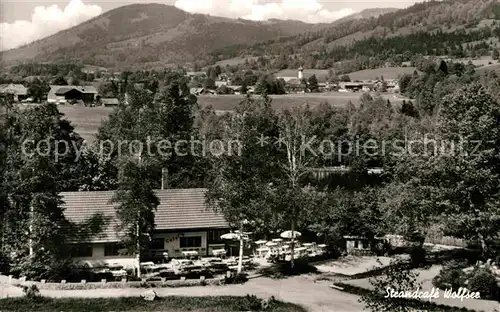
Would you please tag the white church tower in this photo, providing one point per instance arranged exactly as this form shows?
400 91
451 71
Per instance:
301 73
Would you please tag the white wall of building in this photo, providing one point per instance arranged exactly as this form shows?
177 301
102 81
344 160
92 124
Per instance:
98 259
172 242
171 245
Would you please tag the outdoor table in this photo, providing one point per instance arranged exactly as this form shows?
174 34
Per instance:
262 251
190 253
219 252
119 273
299 252
115 266
321 249
101 271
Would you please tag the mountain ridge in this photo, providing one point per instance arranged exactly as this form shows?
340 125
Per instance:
154 34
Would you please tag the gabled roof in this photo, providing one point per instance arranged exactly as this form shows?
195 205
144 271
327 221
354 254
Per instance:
17 89
234 88
196 90
61 90
110 101
351 84
194 73
179 209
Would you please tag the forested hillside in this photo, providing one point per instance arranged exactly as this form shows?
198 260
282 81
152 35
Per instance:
463 28
150 35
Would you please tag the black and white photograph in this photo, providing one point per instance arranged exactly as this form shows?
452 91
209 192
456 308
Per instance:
250 155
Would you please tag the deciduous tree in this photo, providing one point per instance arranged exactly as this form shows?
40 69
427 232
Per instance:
136 206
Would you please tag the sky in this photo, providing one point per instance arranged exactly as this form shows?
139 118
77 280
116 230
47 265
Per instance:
23 21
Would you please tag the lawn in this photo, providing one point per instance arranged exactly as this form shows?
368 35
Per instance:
338 99
387 72
86 120
172 304
235 61
493 67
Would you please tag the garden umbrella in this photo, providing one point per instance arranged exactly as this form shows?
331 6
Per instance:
230 236
288 234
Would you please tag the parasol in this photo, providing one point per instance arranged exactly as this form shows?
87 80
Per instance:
288 234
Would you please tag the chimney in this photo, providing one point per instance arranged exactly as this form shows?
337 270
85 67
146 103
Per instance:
164 178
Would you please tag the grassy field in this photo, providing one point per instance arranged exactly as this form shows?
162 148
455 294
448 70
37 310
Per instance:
235 61
493 67
482 61
387 72
338 99
88 119
171 304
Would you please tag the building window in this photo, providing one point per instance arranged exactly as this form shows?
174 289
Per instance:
158 244
213 236
190 242
81 250
111 249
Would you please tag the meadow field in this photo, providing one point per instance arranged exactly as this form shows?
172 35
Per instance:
235 61
338 99
387 72
87 120
491 67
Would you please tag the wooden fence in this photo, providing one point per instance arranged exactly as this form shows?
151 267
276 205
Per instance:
446 240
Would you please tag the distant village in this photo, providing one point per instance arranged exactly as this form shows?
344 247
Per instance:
293 84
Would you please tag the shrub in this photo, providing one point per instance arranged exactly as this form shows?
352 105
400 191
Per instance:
480 280
417 255
399 277
483 280
31 292
449 277
4 264
43 268
382 248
